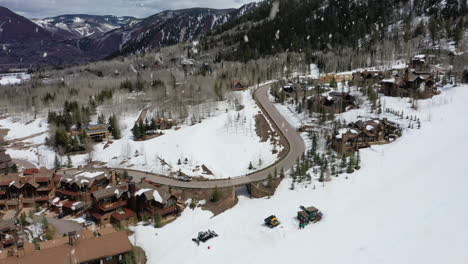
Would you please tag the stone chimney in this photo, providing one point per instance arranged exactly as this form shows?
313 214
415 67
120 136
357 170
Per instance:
72 238
132 201
113 177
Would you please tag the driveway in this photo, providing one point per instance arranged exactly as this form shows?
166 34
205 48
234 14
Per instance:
63 226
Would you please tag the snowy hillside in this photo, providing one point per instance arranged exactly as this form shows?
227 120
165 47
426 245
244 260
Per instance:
84 25
14 78
225 143
405 205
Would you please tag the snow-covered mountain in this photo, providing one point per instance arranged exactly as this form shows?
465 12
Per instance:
81 25
24 43
162 29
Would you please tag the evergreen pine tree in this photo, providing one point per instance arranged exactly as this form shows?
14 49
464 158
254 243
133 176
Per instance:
157 220
69 162
250 166
270 180
216 195
350 164
114 127
321 178
358 161
57 164
136 131
343 161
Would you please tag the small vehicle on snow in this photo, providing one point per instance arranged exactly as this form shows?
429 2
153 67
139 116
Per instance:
309 214
204 236
272 221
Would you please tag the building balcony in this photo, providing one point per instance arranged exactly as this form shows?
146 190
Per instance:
67 192
45 188
42 198
28 200
161 211
111 206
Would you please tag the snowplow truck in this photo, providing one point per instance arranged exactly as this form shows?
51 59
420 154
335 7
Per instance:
309 214
272 221
204 236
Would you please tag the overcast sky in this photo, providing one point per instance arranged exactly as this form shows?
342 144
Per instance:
136 8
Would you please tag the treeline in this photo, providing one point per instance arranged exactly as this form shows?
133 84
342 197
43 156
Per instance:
73 114
141 128
314 25
68 133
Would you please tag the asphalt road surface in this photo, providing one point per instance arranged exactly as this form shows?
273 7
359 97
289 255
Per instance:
282 127
296 149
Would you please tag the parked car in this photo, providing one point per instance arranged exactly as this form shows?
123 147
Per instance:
184 178
87 223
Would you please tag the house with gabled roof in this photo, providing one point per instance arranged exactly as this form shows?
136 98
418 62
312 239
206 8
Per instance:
367 77
420 85
151 199
73 194
363 134
333 102
111 205
19 190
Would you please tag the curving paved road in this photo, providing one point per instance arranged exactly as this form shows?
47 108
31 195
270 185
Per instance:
294 140
296 149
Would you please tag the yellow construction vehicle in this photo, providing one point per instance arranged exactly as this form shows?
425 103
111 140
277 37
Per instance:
272 221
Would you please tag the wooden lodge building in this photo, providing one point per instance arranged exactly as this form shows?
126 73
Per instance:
73 194
98 132
419 85
363 134
334 102
367 78
33 186
111 205
151 199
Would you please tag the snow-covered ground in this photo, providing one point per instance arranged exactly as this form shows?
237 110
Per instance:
23 126
225 143
405 205
14 78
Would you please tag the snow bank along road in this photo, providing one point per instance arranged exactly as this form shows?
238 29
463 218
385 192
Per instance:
283 128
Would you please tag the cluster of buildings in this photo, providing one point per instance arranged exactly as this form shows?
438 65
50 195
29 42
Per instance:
98 196
418 80
363 134
26 189
105 200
